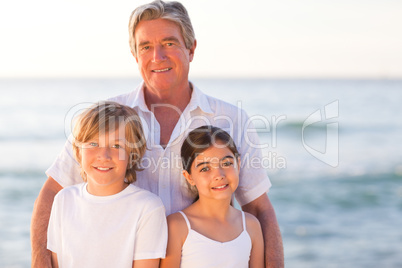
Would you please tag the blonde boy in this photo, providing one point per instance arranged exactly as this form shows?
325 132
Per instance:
107 221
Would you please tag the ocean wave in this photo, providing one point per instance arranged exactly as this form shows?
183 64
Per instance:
22 173
33 138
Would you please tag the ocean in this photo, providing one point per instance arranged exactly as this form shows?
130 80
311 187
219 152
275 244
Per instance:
332 149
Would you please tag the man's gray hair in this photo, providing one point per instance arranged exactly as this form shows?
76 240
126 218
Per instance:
172 11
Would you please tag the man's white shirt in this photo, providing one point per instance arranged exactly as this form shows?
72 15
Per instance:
162 167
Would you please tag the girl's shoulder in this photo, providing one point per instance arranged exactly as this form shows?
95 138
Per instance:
253 225
176 219
251 219
177 226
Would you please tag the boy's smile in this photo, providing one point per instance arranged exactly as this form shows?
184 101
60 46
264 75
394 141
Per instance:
105 161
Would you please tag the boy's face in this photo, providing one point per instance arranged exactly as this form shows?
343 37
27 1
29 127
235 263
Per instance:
104 159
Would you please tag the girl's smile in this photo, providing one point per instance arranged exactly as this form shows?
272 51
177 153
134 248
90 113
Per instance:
215 172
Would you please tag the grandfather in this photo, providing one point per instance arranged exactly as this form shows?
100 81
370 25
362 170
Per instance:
163 43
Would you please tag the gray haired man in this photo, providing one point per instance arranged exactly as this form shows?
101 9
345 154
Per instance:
163 43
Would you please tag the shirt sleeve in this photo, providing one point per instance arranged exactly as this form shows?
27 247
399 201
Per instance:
65 169
53 230
151 236
254 180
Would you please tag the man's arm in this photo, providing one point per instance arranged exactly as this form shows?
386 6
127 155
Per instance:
265 213
150 263
55 262
41 256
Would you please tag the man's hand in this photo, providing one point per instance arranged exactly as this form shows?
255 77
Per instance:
41 256
265 213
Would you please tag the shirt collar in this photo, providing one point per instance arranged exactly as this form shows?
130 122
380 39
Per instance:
198 99
139 99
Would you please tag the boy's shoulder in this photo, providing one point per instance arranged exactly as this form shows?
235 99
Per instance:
133 189
72 190
144 197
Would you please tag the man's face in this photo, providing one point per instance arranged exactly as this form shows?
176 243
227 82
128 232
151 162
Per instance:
162 56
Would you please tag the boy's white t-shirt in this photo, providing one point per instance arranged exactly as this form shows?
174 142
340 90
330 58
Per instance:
106 231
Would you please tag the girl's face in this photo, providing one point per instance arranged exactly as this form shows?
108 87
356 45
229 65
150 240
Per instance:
215 173
104 159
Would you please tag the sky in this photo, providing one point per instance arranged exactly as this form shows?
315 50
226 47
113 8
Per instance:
254 38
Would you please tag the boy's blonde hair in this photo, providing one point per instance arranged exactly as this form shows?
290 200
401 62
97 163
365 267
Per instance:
105 117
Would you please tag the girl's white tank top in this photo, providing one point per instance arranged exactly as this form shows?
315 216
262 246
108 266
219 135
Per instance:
200 251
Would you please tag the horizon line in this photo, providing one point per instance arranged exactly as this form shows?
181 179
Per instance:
202 77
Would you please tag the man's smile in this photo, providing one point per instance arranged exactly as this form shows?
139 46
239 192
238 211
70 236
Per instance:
162 70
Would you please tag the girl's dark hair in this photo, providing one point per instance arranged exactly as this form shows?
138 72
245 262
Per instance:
200 139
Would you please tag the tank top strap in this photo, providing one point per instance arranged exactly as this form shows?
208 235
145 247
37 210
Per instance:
186 219
244 220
